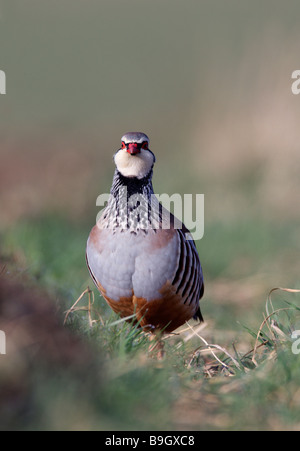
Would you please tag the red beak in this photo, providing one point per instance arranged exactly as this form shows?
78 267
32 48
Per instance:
133 148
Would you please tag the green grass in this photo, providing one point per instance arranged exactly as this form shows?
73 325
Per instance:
125 387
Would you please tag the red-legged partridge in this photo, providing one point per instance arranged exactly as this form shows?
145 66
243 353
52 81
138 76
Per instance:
139 254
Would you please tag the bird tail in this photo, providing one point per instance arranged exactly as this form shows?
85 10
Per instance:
198 316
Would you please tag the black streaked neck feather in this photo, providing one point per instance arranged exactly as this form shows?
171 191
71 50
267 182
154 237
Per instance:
129 205
132 205
133 184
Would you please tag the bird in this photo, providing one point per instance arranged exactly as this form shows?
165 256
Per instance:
141 258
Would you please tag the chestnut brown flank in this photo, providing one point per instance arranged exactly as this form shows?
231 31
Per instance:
167 313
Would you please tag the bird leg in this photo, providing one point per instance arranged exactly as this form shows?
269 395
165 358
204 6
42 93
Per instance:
157 347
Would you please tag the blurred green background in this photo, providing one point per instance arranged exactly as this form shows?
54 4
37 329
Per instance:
209 81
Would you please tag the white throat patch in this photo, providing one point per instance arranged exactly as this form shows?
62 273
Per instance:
138 165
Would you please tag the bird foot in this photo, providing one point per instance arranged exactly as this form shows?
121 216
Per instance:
157 349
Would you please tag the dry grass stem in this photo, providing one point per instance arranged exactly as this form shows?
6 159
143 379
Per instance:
89 308
209 347
272 326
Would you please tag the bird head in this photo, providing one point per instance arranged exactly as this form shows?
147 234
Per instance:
134 158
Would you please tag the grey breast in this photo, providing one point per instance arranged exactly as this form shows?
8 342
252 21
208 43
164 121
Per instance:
126 262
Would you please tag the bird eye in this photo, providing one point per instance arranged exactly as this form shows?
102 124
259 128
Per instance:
123 145
145 145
